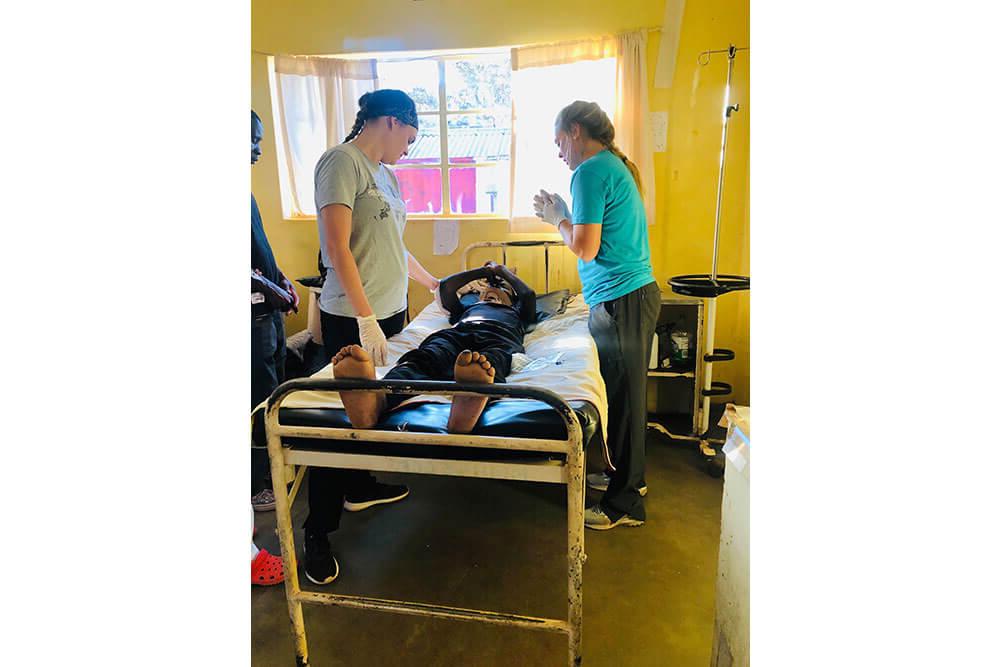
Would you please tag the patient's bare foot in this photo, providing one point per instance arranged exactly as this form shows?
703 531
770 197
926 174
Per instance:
363 407
470 367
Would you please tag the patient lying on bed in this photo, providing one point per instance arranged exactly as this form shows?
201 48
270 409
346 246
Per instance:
477 349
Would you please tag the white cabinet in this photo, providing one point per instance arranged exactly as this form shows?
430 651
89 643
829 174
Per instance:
731 644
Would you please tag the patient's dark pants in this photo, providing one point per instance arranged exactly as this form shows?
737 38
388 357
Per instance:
623 331
433 360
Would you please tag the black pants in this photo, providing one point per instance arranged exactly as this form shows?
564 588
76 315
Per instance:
435 358
327 486
267 371
623 331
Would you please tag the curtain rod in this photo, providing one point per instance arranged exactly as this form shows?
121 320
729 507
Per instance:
266 53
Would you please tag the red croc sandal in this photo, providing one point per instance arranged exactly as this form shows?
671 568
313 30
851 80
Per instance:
266 570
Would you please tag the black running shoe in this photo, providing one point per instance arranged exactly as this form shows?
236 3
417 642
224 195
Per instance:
373 494
320 565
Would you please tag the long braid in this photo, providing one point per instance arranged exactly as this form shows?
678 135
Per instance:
359 121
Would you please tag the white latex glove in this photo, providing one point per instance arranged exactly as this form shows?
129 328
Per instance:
373 340
437 298
540 203
564 208
551 208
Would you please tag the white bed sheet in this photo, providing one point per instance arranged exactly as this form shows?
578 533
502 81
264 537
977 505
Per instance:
560 355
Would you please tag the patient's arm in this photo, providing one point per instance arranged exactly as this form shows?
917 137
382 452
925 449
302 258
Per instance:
525 295
448 289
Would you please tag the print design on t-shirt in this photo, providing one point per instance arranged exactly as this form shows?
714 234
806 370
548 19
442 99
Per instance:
372 192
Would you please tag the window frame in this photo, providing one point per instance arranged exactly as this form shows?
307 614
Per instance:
445 165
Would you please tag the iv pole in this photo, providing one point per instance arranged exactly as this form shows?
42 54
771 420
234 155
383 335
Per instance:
728 111
709 287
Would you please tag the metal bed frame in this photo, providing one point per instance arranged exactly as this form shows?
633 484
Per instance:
569 472
503 245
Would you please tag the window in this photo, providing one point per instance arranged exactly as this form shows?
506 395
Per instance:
541 92
305 119
314 101
460 163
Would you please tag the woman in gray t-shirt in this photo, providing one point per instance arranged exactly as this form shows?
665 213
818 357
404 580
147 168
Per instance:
361 217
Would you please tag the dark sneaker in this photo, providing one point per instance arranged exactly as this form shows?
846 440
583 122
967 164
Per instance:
373 494
263 501
600 482
319 564
594 517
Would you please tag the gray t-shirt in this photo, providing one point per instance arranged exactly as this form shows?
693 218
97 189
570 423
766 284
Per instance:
345 175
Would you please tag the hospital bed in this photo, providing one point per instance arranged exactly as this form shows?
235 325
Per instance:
553 404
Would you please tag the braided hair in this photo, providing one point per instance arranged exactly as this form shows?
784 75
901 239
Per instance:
384 102
359 122
592 119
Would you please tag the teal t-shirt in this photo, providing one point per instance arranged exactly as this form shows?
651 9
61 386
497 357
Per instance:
605 193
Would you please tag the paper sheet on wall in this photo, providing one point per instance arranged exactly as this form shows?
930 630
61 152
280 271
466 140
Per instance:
445 236
658 127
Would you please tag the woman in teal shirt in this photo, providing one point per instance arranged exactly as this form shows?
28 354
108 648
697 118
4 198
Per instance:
607 231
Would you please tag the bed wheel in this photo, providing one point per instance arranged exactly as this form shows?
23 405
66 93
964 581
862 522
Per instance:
715 466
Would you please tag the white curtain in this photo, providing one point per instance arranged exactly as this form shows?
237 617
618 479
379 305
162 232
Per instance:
608 70
315 102
632 131
562 53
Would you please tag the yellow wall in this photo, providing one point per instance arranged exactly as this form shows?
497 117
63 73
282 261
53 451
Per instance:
687 174
681 239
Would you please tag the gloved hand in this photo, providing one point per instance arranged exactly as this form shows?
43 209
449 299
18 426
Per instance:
373 340
561 203
437 297
551 208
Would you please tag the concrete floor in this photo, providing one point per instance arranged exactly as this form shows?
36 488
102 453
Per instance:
648 592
